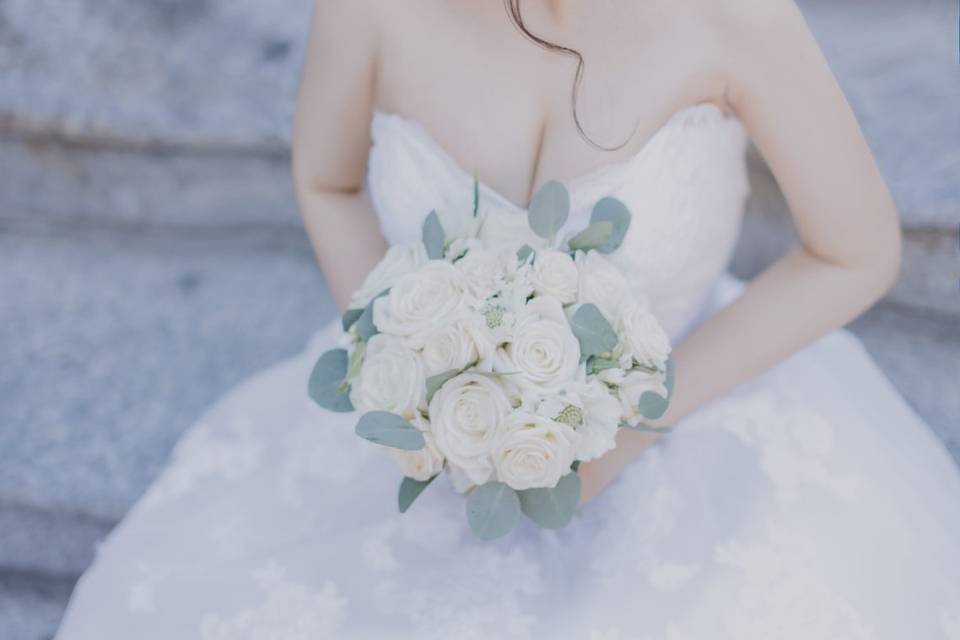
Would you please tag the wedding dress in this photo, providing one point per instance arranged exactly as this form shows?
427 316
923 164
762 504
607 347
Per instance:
810 503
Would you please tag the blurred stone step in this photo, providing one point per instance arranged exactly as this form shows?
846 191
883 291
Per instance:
31 606
930 276
113 344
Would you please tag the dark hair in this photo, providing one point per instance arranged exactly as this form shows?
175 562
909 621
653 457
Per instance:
516 16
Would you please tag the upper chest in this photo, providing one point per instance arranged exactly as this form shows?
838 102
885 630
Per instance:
502 107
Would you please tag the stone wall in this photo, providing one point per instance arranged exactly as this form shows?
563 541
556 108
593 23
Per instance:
151 255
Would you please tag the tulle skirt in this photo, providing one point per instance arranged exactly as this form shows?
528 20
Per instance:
811 503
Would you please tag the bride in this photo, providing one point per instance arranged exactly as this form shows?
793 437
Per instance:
797 495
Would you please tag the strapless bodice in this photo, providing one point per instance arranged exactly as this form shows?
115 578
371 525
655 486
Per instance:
685 188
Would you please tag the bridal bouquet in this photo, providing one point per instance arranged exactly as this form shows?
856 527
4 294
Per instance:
497 354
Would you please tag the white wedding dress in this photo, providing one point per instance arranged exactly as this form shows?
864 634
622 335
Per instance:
811 503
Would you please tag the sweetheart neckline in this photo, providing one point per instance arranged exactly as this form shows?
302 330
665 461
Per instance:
701 113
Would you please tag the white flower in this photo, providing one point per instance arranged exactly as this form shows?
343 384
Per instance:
507 231
642 337
592 410
541 349
602 284
533 451
554 273
420 465
483 270
391 378
421 302
399 260
465 415
458 345
634 385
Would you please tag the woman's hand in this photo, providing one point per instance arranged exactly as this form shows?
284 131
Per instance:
597 474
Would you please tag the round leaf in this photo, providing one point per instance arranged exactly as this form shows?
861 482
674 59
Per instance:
435 382
552 508
492 510
326 385
616 213
652 405
390 430
433 236
549 209
597 235
671 377
595 334
350 317
410 490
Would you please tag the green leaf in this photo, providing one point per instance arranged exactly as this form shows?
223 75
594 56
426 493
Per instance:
596 235
365 327
356 361
326 385
492 510
576 465
549 209
350 318
435 382
433 236
652 405
410 490
595 334
552 508
476 194
616 213
598 364
524 252
671 377
390 430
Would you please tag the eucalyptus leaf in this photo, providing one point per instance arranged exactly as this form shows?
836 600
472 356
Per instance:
616 213
366 329
435 382
390 430
476 195
326 385
410 490
549 209
595 334
652 405
433 236
493 509
524 252
596 235
597 364
350 317
670 377
576 465
552 508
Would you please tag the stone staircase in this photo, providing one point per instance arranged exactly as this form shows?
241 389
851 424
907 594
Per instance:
151 255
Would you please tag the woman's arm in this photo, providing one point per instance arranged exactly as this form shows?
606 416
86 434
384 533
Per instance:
331 141
849 255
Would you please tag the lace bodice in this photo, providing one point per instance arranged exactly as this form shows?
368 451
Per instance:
686 189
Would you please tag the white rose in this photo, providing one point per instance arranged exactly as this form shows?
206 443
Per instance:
634 385
541 349
465 415
458 345
391 378
601 284
507 231
399 260
420 465
642 337
554 273
593 411
421 302
483 270
533 451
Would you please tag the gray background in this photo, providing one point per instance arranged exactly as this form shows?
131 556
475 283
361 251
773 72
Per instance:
151 255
